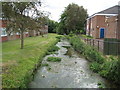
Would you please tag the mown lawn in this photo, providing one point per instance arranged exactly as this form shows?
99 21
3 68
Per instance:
18 64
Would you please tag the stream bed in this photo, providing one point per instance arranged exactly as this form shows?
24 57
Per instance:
72 72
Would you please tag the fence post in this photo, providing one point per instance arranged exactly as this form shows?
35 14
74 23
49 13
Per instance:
90 42
108 47
93 42
98 45
87 40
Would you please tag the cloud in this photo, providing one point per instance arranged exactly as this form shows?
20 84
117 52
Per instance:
57 6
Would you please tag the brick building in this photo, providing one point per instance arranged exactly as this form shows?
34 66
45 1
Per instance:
104 24
5 37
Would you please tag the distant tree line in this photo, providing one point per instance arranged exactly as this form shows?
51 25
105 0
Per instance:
52 25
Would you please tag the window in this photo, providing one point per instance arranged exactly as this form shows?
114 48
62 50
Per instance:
3 31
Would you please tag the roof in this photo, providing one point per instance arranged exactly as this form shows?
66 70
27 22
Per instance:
111 10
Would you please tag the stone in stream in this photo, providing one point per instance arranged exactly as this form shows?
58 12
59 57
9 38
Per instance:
43 76
75 62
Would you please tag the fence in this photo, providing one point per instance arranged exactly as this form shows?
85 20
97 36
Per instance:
106 46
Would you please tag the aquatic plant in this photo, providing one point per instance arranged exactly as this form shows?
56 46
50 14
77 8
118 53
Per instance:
54 59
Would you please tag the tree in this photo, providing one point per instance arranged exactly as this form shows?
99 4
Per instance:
17 15
52 26
72 19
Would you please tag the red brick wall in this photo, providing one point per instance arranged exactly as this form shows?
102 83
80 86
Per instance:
111 27
4 38
98 22
93 27
3 23
17 36
101 23
26 35
12 37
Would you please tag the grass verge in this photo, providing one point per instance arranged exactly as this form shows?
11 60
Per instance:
19 64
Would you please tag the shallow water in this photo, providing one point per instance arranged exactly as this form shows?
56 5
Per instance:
72 72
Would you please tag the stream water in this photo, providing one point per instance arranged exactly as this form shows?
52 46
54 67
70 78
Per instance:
72 72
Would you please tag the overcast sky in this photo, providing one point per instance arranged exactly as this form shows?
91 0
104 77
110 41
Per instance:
56 7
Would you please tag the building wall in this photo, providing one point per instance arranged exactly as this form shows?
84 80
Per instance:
100 24
5 37
97 22
111 27
93 29
3 23
88 26
12 37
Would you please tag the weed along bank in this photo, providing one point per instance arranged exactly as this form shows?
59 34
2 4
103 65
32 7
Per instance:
107 66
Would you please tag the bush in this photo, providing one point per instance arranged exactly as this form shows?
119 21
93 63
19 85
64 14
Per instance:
59 37
77 45
114 72
94 55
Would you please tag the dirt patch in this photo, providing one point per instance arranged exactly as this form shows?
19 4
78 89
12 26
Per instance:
6 66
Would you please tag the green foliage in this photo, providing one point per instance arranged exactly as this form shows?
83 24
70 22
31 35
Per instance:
76 43
72 19
95 67
59 38
114 72
54 59
87 36
101 85
20 63
71 34
45 64
52 50
94 55
52 26
86 50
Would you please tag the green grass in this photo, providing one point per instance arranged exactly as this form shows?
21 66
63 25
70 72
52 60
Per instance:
54 59
87 36
18 64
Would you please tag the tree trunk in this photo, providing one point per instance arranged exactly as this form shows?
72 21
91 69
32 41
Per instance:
22 39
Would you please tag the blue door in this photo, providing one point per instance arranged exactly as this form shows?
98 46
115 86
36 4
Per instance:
102 33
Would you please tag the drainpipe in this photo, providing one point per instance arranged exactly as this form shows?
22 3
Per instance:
118 29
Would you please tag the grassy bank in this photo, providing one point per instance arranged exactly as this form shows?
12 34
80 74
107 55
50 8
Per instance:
107 67
18 64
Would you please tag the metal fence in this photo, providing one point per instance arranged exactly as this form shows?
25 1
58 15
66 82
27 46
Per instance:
106 47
